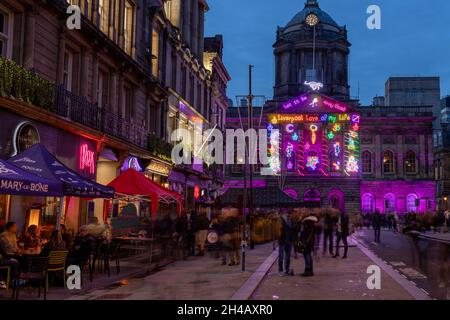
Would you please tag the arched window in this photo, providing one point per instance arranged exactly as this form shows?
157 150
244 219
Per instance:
368 203
411 204
410 162
335 201
388 162
389 203
367 162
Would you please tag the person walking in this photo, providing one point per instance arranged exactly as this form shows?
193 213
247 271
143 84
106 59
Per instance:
285 242
307 238
202 226
188 231
328 229
376 223
343 231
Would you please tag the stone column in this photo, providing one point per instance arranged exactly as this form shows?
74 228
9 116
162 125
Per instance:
113 93
29 35
195 31
187 21
95 77
378 155
422 156
84 73
61 53
400 163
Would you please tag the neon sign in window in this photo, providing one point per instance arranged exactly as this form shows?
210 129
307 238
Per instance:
87 158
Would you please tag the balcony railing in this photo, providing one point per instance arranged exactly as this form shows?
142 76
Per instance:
26 86
80 110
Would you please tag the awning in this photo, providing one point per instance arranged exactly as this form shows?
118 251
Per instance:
262 197
39 161
16 181
133 183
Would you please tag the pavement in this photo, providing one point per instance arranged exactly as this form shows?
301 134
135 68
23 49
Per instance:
442 237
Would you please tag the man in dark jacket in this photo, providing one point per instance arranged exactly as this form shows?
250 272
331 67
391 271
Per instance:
187 230
376 223
343 231
328 228
307 237
285 244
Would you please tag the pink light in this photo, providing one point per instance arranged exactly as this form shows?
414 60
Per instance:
334 105
87 158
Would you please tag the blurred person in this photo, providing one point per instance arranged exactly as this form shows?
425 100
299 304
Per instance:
328 230
201 227
56 243
343 231
30 238
230 238
187 230
8 239
307 237
83 246
377 221
66 236
285 243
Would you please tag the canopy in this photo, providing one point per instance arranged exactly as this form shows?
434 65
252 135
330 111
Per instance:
133 183
39 161
16 181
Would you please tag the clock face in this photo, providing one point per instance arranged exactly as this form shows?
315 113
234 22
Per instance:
312 19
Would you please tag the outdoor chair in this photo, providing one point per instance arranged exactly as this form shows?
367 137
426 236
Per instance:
109 252
32 268
8 274
57 264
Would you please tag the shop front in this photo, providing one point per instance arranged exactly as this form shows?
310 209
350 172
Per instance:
78 153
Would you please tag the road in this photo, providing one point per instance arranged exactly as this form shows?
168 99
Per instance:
426 263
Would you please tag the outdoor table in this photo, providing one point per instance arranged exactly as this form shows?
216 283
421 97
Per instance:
136 241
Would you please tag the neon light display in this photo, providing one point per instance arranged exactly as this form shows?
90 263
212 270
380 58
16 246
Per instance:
295 137
337 149
315 86
131 163
87 159
290 128
330 135
352 165
313 128
337 165
196 192
314 103
312 162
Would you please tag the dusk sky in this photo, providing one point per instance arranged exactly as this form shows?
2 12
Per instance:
414 40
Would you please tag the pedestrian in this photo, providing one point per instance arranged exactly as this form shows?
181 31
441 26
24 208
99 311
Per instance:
328 229
447 218
307 238
395 222
8 239
187 230
342 232
376 223
230 238
201 227
285 242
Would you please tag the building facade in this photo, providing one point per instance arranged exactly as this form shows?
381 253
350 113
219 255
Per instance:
332 151
112 88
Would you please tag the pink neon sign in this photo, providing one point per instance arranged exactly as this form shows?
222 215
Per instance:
87 158
334 105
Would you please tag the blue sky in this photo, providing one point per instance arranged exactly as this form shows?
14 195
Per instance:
414 40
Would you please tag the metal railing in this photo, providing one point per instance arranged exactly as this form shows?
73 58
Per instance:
79 109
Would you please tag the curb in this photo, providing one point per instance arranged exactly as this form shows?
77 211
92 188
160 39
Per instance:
249 287
426 237
413 290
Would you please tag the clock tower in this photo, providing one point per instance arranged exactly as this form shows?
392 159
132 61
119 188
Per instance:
312 47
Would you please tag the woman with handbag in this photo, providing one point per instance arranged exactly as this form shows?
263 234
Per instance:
307 239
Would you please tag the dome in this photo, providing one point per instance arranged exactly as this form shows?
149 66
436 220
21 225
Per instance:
312 7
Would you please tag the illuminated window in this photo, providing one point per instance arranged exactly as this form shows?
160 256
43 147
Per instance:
388 162
410 162
103 12
128 23
368 203
5 34
367 162
155 53
389 203
411 203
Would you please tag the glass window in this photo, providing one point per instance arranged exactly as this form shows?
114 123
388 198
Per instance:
128 27
5 34
388 162
367 162
389 203
68 62
411 203
368 203
103 15
410 162
155 53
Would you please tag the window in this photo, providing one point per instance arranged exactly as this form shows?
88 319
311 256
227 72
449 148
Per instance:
174 71
183 82
68 66
389 203
127 109
335 201
311 75
5 34
410 163
128 23
155 53
388 162
367 162
368 203
103 12
411 203
103 89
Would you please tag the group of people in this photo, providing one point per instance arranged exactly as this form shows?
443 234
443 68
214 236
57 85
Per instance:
303 235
